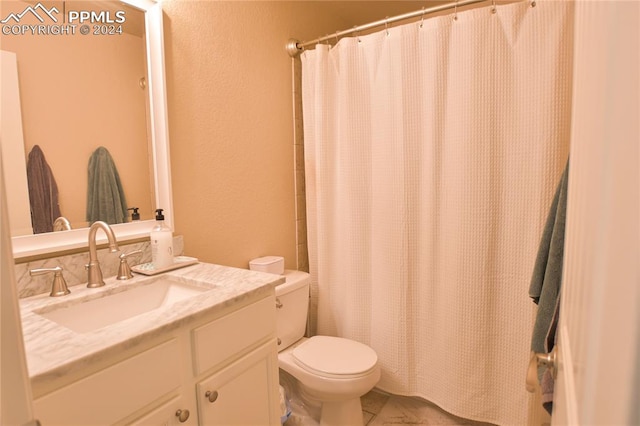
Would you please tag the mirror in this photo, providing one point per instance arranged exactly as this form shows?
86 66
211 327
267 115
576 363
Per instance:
98 83
153 151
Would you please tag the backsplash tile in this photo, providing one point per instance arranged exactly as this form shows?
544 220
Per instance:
74 271
302 254
302 248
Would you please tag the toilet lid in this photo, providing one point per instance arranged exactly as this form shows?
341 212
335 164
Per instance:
335 357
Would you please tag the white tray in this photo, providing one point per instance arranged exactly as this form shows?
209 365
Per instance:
178 262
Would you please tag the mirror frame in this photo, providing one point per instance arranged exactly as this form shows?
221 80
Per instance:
52 242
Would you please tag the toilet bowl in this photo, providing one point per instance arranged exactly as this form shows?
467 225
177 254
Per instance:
332 371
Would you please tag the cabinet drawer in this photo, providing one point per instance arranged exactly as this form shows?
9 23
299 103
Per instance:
115 392
220 339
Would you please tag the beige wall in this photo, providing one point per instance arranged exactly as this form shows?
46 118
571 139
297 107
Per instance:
231 124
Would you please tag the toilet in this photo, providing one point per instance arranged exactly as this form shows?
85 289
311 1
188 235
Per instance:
331 371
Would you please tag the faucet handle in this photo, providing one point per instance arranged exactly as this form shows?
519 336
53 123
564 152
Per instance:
124 271
59 285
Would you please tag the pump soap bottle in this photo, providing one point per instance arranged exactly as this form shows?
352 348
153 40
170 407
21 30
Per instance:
161 243
134 215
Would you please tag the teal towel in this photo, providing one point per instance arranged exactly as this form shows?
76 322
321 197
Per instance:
546 281
105 196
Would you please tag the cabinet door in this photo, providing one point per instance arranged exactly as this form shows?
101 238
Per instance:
173 413
244 393
115 393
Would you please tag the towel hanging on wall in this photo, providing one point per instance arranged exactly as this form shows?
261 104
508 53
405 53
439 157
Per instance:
105 195
43 192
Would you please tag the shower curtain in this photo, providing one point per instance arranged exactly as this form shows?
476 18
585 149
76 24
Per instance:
432 151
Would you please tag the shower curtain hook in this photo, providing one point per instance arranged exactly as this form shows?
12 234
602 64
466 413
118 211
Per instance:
455 11
422 18
493 6
386 25
336 35
355 31
533 3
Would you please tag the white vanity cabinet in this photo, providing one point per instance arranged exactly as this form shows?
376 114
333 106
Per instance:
245 390
218 369
108 395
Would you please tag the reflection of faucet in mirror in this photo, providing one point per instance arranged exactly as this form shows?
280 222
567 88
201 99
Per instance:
93 267
61 224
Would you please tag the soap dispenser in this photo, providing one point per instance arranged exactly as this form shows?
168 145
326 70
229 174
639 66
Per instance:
134 215
161 243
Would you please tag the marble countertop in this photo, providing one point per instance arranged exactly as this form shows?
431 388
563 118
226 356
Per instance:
53 350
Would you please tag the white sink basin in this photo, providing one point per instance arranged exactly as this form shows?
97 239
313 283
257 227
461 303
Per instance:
94 314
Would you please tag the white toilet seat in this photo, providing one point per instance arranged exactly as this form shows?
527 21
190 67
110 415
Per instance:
335 357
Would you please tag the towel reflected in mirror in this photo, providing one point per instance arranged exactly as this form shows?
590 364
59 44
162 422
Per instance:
105 195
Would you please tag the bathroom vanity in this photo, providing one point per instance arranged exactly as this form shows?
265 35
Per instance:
192 346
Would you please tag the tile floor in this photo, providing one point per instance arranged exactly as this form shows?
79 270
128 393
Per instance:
380 409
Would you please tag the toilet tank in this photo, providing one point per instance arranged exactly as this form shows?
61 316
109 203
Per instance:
292 303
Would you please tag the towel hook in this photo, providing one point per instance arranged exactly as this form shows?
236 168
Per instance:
422 18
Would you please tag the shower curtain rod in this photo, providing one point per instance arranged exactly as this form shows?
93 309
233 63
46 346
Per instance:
295 47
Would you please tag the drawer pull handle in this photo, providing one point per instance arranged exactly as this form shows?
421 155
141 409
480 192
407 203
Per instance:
279 304
211 396
182 415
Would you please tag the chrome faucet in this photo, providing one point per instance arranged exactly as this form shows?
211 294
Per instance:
59 286
61 224
124 270
93 267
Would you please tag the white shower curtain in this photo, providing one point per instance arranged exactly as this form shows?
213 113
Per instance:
432 153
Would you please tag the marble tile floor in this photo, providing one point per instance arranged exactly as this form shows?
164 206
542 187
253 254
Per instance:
381 409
